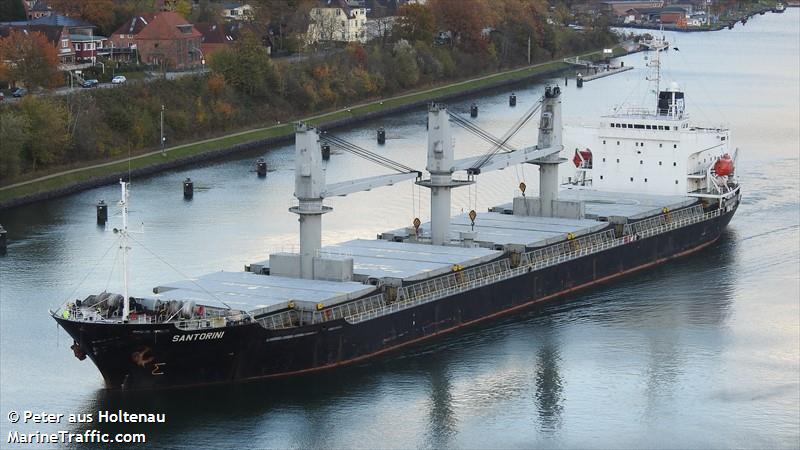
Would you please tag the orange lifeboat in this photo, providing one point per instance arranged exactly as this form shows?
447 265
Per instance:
724 166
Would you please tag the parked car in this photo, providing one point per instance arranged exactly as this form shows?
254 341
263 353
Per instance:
19 92
119 79
90 83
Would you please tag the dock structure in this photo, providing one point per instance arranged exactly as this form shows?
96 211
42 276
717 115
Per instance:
593 71
600 73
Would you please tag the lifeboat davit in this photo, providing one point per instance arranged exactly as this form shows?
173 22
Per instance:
724 166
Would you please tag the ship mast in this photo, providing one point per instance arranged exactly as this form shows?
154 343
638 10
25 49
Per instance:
123 204
655 66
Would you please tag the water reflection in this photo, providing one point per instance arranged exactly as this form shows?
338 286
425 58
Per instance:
441 426
549 387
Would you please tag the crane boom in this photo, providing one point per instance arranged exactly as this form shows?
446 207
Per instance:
365 184
502 160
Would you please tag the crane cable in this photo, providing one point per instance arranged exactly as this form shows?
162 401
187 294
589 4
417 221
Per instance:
366 154
498 144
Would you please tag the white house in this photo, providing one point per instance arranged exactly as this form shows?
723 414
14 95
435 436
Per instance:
237 11
336 20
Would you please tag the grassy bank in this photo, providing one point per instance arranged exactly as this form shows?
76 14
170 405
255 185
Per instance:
34 189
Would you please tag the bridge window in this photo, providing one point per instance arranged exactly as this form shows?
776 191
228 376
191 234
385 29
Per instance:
645 180
647 126
631 179
660 145
601 177
674 145
659 163
638 126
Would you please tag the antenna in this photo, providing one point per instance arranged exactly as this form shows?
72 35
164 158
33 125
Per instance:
655 66
123 204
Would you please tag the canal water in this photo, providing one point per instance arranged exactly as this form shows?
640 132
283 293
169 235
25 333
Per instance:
701 352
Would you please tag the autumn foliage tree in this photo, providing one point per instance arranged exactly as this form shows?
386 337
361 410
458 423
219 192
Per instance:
465 20
96 12
28 58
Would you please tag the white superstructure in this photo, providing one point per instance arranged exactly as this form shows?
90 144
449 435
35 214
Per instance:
654 150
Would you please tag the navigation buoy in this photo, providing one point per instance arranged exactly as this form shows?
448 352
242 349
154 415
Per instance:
381 136
188 188
326 152
473 111
724 166
102 212
512 100
3 240
261 167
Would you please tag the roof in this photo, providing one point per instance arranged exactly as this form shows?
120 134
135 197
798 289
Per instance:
51 32
342 4
41 5
167 25
61 21
135 24
232 5
212 33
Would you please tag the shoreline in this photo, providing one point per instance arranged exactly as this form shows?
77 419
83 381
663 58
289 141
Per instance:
84 178
717 27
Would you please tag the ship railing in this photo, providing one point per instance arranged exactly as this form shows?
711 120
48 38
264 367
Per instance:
662 219
218 320
348 309
533 261
569 246
281 320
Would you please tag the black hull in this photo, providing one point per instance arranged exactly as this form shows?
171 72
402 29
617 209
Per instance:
152 356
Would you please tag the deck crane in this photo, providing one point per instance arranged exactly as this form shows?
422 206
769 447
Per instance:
441 164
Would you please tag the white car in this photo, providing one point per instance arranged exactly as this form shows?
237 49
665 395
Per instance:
119 79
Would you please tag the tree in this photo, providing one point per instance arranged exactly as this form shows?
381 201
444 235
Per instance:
30 58
183 7
11 10
206 12
246 66
465 20
289 19
416 23
14 129
96 12
47 136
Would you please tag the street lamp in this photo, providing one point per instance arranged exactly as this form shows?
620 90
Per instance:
163 139
202 57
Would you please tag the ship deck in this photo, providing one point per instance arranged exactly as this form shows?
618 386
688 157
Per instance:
397 254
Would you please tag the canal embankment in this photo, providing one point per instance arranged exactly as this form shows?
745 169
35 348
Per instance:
82 178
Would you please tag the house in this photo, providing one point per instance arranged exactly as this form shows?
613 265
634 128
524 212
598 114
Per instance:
237 11
163 39
335 20
85 44
57 36
673 15
35 9
213 37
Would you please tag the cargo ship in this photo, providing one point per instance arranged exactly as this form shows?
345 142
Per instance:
649 186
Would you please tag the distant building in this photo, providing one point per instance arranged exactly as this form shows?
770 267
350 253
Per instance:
674 15
335 20
163 39
35 9
237 11
619 8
